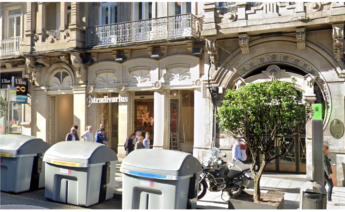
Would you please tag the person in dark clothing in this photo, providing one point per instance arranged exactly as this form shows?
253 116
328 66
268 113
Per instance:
100 138
76 132
72 136
129 146
327 172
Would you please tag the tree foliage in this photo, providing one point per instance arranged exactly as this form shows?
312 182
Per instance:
260 112
3 107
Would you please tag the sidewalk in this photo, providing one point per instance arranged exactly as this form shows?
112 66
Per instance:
290 184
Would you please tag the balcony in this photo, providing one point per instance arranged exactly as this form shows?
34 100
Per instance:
10 47
167 28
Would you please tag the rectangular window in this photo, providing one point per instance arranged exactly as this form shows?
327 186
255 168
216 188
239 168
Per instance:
182 120
14 24
140 11
68 15
177 8
150 10
108 13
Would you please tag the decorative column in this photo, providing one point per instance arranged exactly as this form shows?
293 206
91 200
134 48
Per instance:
79 109
41 20
161 115
126 122
63 16
75 26
338 41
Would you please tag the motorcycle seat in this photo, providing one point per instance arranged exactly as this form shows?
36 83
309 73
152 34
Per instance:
239 165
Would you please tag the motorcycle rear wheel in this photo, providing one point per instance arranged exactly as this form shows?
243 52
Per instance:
202 189
235 193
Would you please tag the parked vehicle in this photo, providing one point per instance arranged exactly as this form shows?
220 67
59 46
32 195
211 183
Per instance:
231 177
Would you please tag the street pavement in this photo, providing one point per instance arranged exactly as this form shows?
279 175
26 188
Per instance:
290 184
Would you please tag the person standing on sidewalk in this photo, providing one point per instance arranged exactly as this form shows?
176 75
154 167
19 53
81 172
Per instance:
243 151
101 126
76 132
236 149
140 144
129 146
100 137
137 134
327 171
147 140
88 136
72 135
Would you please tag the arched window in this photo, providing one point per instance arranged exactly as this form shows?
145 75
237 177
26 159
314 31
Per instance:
60 80
108 13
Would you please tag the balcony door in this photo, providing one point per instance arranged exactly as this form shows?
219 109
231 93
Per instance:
142 23
14 23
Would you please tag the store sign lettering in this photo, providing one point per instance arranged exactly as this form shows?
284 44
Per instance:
106 99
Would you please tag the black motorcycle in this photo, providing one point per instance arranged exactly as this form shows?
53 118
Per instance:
231 177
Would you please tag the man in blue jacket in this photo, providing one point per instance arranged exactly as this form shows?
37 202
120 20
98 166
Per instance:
100 137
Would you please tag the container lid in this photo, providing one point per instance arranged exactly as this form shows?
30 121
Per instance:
79 154
21 145
160 164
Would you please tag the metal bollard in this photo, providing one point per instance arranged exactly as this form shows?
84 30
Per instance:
313 200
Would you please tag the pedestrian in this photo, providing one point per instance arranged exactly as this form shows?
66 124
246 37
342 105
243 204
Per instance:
76 132
327 171
140 143
137 134
100 138
243 146
147 140
88 136
129 146
236 149
101 126
72 135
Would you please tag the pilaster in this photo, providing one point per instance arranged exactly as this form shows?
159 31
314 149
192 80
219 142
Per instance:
126 113
79 109
210 18
41 18
63 16
161 134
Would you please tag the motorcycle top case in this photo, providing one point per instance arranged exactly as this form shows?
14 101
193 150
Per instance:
160 164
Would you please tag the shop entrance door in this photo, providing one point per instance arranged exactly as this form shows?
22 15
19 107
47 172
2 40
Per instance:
143 116
292 151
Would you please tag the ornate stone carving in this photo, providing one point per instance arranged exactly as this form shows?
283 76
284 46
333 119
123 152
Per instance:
36 37
105 78
44 60
64 57
89 89
9 65
212 50
244 42
139 68
121 87
139 77
338 41
239 82
77 62
60 80
149 51
127 53
190 48
157 85
197 83
164 50
337 128
300 36
180 66
309 79
272 72
94 57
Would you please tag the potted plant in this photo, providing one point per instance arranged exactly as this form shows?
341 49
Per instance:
261 112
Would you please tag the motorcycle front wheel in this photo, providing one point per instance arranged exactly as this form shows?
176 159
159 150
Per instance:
235 193
202 189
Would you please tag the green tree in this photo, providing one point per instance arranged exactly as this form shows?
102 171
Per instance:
3 107
260 112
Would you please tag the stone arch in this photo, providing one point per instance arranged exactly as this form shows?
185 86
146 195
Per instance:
60 77
140 72
105 74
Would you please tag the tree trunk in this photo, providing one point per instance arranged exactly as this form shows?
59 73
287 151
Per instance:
257 192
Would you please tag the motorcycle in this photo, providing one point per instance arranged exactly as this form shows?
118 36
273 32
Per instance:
217 175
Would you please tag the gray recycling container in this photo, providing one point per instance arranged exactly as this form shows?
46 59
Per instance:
21 163
313 200
160 179
80 173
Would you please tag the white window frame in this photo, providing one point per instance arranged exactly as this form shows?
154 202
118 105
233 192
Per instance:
15 19
108 4
144 11
171 11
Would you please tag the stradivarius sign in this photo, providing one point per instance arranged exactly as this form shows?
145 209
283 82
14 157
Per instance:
106 99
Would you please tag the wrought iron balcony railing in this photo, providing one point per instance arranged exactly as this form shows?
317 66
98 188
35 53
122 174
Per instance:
172 27
10 47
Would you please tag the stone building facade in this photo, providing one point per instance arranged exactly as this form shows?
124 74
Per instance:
151 67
